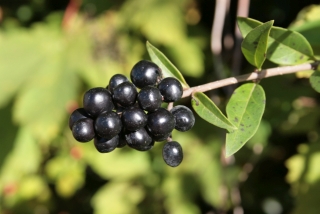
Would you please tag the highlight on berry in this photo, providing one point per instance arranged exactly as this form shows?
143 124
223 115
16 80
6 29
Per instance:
129 113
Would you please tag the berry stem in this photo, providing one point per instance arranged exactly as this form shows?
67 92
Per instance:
170 106
265 73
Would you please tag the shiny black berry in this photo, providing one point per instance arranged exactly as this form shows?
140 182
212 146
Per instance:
184 118
145 73
108 125
83 130
125 94
171 89
172 153
134 118
160 122
77 115
139 140
149 98
104 145
116 80
97 100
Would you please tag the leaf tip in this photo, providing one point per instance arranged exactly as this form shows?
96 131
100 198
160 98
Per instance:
228 153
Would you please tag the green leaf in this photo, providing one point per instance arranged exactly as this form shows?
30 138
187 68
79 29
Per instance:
168 69
246 25
315 80
208 111
54 87
308 24
16 62
244 110
285 47
254 45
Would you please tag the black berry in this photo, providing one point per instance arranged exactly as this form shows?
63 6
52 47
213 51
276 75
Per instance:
116 80
172 153
134 118
108 125
145 73
139 140
160 137
82 130
77 115
171 89
149 98
104 145
184 118
97 100
125 94
160 122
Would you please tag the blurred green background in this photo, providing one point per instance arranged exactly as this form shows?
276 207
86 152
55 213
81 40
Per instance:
51 52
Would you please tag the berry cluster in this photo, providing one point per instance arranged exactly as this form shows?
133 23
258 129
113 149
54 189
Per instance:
130 113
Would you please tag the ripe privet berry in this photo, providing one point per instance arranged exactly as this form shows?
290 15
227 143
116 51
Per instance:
125 94
104 145
83 130
97 100
172 153
149 98
184 118
116 80
160 122
77 115
139 140
108 125
145 73
171 89
133 118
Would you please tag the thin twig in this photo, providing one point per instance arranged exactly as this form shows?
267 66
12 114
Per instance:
217 26
265 73
221 9
243 11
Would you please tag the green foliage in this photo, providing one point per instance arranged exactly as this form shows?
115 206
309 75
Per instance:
254 45
304 175
117 197
308 24
208 111
168 69
46 68
285 47
245 109
315 80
